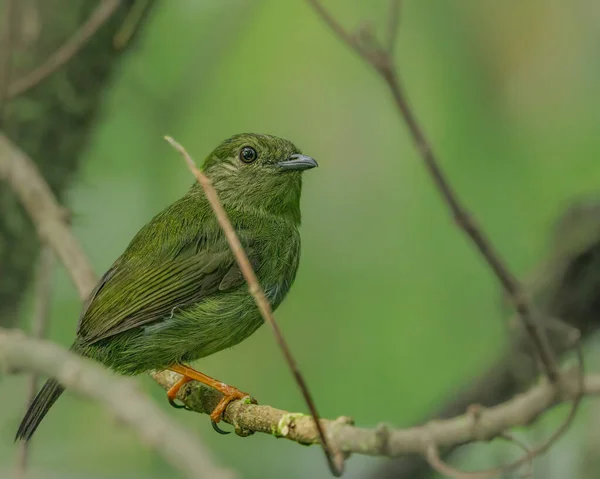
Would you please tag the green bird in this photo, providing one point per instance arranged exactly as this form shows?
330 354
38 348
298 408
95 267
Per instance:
177 294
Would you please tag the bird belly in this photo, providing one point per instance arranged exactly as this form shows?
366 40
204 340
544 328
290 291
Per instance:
190 333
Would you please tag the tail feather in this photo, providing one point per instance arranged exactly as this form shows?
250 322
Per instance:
44 400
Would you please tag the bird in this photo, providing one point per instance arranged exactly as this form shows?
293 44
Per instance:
176 294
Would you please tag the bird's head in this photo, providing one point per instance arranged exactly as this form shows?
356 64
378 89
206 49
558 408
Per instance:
260 172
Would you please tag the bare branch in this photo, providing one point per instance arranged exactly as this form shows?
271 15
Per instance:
118 395
39 326
130 24
492 422
99 16
394 25
334 459
380 59
511 438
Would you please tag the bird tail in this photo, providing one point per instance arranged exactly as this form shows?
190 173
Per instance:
44 400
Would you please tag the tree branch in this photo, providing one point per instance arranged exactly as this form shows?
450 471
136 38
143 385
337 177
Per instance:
120 396
483 425
382 61
99 16
47 215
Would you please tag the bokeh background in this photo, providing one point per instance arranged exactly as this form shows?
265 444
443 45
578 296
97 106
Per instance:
392 309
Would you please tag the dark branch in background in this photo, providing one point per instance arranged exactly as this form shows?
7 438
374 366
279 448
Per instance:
99 16
367 47
39 326
131 23
334 458
47 215
380 58
394 24
7 38
120 396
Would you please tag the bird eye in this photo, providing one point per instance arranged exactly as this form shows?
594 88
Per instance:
248 154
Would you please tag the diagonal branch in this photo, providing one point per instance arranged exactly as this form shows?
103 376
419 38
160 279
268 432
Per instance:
118 395
334 459
381 60
99 16
47 215
394 25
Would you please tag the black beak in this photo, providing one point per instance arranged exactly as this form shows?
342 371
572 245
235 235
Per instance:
298 162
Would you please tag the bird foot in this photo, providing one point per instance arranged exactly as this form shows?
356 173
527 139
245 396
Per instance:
172 393
229 394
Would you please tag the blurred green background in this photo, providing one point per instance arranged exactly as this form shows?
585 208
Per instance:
392 309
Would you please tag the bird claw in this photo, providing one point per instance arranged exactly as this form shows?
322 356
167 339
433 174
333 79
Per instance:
218 429
179 406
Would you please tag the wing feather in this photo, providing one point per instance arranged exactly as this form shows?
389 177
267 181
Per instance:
131 295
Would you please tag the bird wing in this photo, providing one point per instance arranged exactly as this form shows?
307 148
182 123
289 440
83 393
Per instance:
139 292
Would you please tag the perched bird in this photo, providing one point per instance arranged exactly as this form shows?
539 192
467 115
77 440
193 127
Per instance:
177 294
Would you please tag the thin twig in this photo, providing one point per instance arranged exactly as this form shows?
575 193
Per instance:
120 396
441 466
39 326
335 460
393 25
68 50
521 444
381 60
130 24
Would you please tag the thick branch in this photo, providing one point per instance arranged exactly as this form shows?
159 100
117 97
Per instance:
486 424
118 395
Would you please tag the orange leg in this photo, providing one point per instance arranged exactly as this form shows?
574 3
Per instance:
172 393
189 374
